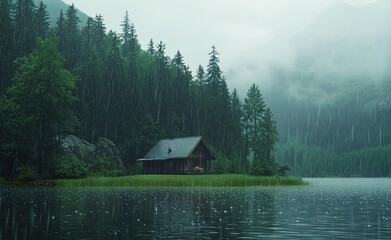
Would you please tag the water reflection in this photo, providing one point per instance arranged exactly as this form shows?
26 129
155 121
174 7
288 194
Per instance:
322 211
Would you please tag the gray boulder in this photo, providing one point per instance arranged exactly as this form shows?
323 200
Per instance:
74 146
89 153
106 149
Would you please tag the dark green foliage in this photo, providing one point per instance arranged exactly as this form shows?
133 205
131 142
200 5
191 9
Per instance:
253 108
24 26
367 162
102 167
71 167
130 96
6 44
260 169
37 108
26 173
269 169
134 168
3 182
42 21
281 170
71 37
268 135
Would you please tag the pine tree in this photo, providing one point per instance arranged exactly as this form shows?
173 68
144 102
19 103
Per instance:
254 108
87 42
125 36
42 98
269 135
151 48
134 44
99 31
71 37
213 77
42 20
200 74
161 78
60 31
25 32
6 44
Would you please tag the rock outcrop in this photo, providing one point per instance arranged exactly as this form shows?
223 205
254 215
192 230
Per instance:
106 149
89 153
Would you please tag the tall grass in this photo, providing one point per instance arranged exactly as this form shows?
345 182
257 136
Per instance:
218 180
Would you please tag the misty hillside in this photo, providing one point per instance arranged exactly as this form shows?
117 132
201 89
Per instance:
325 96
344 50
336 94
54 8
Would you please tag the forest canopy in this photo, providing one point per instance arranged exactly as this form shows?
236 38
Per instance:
96 83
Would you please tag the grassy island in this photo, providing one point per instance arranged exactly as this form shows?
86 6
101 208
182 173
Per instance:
218 180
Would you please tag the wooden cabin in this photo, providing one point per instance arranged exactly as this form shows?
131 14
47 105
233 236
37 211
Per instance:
179 155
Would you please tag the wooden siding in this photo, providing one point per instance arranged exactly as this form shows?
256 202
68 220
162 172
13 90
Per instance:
174 165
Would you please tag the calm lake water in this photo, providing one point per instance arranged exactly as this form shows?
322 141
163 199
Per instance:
327 209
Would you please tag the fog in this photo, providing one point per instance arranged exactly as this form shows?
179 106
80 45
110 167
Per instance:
323 42
344 46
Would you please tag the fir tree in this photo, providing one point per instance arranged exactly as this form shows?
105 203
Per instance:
41 98
42 20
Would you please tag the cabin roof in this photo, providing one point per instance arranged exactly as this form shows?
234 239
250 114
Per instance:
180 148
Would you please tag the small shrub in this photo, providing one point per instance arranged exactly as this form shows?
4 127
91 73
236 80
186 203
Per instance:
135 168
260 169
3 182
102 167
282 170
71 167
26 173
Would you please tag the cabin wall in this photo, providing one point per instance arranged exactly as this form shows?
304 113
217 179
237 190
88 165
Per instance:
201 151
174 166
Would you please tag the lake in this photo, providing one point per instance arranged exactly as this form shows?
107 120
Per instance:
330 208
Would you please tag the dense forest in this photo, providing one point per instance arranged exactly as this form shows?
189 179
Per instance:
93 83
328 123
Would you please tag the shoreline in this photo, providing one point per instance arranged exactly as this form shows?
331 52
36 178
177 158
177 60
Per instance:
192 181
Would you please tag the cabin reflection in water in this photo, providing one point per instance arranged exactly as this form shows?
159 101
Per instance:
179 155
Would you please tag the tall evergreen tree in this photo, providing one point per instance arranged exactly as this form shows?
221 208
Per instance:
129 37
235 137
151 47
60 31
87 43
71 37
42 98
25 32
99 31
161 78
216 104
6 44
126 34
200 74
42 20
254 108
213 77
269 135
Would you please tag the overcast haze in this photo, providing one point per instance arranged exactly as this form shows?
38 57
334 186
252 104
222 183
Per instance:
239 29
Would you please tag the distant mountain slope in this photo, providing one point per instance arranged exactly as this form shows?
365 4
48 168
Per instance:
336 92
54 8
344 51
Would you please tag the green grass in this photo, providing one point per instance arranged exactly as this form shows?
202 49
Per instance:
218 180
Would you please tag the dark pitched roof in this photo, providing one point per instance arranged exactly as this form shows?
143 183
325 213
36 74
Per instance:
180 148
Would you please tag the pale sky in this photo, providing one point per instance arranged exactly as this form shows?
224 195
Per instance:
236 27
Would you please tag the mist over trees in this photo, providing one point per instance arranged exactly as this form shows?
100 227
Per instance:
332 104
331 110
97 83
